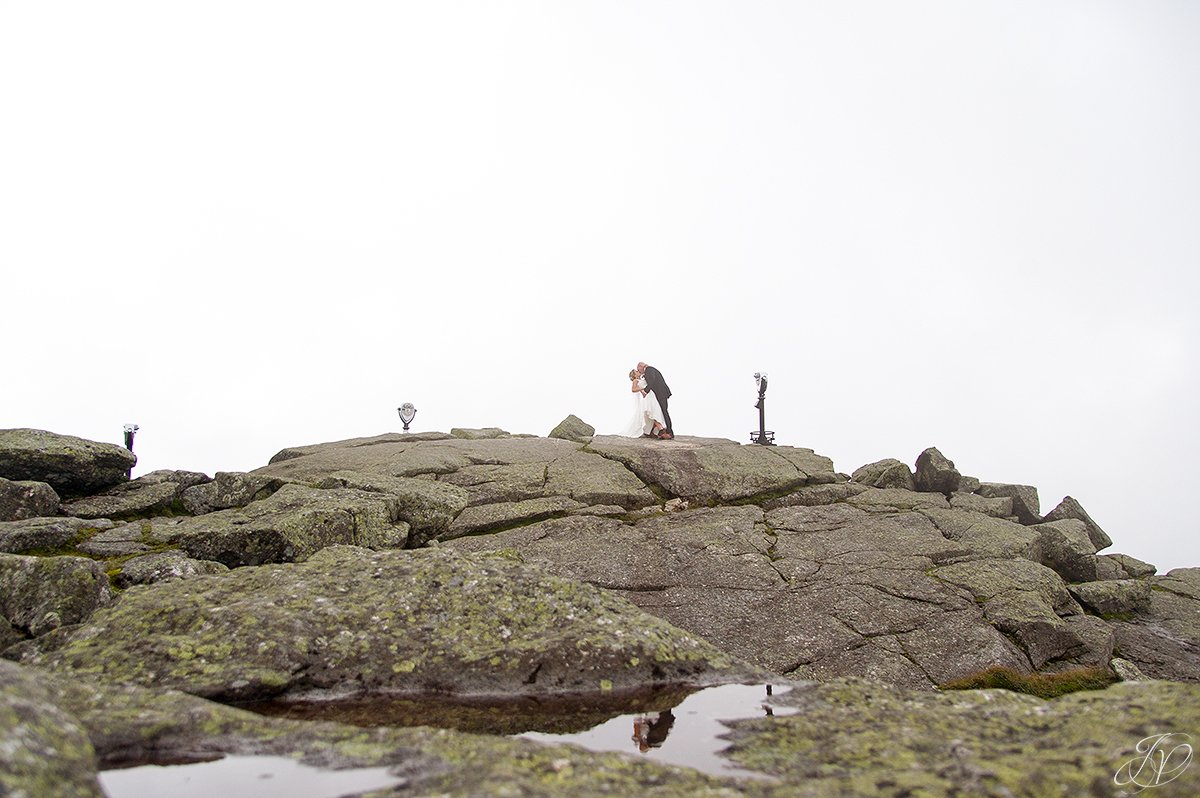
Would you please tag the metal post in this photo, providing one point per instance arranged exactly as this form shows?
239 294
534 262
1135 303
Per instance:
130 431
762 413
764 436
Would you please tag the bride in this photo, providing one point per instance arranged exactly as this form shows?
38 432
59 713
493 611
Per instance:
647 419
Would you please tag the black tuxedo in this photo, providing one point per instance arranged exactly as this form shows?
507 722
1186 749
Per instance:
656 383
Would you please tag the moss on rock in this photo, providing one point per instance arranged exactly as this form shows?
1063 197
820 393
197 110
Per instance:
356 620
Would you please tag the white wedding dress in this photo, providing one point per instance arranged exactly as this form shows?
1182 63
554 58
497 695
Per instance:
646 411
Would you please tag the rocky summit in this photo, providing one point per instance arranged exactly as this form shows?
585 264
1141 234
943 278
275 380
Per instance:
140 618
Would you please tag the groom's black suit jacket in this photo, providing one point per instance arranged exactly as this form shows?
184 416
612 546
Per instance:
656 383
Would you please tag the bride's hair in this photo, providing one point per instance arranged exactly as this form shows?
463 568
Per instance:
633 374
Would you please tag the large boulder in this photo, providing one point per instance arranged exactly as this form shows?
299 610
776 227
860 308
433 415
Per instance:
1122 566
997 508
44 751
1066 547
1026 506
353 620
888 473
573 428
72 466
1069 508
936 473
894 500
25 499
41 594
156 493
291 524
1113 597
716 471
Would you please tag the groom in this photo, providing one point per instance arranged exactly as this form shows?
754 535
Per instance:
656 383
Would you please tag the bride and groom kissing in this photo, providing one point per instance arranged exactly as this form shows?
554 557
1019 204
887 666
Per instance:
651 419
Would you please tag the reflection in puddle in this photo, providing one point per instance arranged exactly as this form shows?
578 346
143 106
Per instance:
688 734
243 777
479 714
675 726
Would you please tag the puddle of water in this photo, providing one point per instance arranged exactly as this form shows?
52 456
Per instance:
243 777
687 734
679 726
479 715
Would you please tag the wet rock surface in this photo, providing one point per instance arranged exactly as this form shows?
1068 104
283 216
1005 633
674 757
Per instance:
850 738
989 743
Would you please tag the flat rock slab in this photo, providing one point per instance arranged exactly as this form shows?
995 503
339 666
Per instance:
165 566
353 620
290 525
72 466
712 471
986 535
47 534
156 493
812 591
486 517
490 470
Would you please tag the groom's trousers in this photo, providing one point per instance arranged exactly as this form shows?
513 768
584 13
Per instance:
662 402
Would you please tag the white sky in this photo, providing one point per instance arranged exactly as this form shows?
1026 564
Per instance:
250 225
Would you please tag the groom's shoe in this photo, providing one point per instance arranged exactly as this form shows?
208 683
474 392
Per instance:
666 436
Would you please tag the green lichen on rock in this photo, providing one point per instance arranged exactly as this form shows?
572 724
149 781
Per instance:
861 739
44 751
40 594
290 525
355 620
72 466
